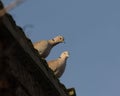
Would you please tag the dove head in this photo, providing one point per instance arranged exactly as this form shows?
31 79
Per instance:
64 54
59 39
56 40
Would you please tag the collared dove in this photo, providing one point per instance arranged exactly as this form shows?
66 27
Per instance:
44 46
58 65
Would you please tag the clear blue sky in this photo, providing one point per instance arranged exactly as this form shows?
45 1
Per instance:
92 33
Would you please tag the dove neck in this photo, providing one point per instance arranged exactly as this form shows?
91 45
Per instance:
64 58
52 42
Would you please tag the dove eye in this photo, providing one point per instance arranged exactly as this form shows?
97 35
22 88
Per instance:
60 38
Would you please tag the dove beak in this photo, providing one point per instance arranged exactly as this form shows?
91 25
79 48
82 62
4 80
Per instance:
63 41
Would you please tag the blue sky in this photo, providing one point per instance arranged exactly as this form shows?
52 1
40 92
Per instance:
92 33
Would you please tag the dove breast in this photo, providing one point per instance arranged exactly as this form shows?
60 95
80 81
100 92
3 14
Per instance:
57 66
43 48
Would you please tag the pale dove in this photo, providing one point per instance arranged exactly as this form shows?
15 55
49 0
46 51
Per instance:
58 65
44 46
